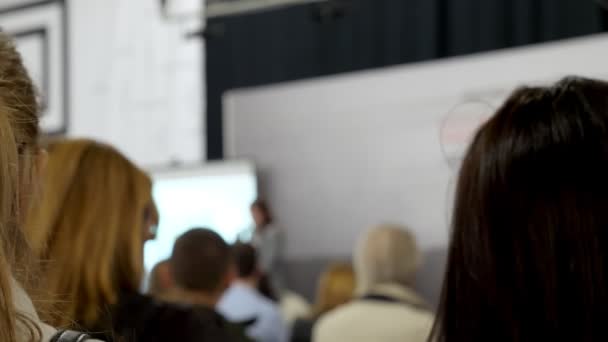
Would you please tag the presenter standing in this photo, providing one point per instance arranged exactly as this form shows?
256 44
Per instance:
268 242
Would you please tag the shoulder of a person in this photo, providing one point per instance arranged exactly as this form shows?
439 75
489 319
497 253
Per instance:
334 319
24 305
268 305
334 322
137 306
326 326
153 320
390 311
302 326
358 312
270 316
425 319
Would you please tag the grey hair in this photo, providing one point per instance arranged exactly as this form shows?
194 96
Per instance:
386 254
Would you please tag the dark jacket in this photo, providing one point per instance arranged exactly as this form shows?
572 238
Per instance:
302 330
141 318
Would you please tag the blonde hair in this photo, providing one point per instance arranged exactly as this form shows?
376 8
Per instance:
89 225
18 144
336 287
386 254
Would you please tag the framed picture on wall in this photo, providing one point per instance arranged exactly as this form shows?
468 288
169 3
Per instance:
40 32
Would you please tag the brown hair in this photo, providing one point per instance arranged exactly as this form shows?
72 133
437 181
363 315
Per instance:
200 260
336 287
246 259
528 258
90 226
262 206
18 141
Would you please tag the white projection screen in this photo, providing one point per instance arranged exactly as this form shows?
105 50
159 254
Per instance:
337 155
215 196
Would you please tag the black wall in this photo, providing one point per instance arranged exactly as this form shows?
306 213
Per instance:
346 35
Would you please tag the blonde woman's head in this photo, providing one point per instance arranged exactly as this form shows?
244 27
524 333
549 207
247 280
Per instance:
387 254
336 287
19 158
90 224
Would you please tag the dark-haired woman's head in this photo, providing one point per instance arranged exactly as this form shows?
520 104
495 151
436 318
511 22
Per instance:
528 259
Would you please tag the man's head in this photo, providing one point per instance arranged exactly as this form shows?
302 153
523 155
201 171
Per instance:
386 254
201 262
246 260
160 279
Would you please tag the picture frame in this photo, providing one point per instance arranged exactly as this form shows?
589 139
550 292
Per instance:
40 31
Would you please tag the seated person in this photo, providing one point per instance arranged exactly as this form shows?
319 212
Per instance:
160 280
527 258
388 310
336 287
293 306
91 223
243 302
201 269
267 239
22 161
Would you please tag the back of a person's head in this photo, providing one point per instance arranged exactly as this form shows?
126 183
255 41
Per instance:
387 254
90 225
336 287
18 161
201 261
528 257
246 260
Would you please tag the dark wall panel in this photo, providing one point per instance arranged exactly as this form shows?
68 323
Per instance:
347 35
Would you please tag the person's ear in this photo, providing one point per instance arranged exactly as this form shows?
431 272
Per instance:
166 278
230 276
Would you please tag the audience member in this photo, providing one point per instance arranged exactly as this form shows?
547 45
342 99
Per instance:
91 224
21 162
268 241
388 310
202 269
160 280
243 302
528 258
336 287
293 306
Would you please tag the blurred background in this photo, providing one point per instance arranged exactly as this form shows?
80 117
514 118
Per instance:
340 113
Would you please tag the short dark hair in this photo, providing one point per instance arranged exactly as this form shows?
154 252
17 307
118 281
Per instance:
246 259
528 257
200 260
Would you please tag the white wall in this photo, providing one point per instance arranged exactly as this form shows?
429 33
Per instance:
136 82
339 154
